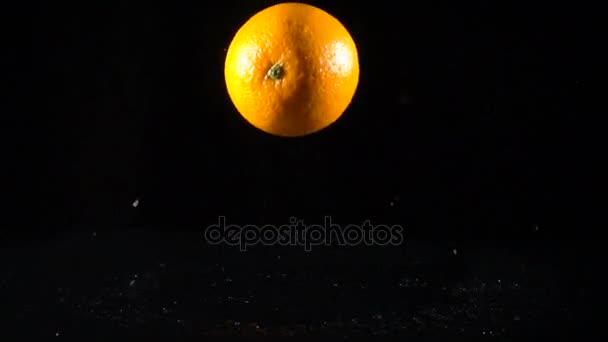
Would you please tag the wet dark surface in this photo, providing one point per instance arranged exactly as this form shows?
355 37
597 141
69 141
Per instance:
110 285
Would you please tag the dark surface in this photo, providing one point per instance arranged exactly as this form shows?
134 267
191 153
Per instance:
465 129
172 285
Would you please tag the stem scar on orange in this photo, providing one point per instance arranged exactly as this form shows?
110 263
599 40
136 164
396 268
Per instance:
292 70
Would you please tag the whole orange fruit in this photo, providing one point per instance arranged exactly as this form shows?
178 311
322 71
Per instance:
292 69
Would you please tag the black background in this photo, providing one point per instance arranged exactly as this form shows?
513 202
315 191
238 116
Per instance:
462 128
463 117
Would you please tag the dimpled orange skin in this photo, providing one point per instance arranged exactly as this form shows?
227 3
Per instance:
292 70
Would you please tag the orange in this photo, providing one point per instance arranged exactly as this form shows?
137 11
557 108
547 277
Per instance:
292 69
